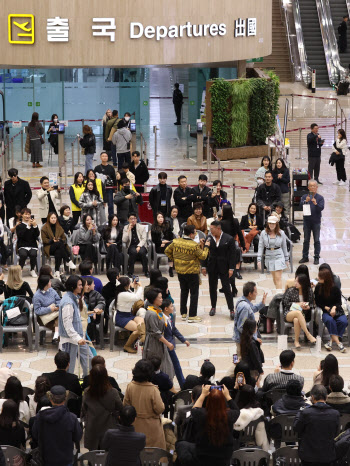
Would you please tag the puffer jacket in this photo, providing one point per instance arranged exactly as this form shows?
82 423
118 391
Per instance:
186 255
248 415
95 300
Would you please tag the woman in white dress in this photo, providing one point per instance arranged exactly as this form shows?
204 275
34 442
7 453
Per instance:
274 241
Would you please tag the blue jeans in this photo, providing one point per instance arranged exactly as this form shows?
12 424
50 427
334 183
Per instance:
89 162
85 357
178 371
315 228
336 326
114 154
110 193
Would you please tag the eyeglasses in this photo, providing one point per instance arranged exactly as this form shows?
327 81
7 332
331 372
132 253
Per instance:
13 176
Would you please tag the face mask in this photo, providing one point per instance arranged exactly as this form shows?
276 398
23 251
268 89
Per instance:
55 120
126 190
126 118
260 181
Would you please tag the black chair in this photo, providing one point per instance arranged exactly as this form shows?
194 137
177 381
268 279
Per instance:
184 397
250 457
151 456
26 329
290 455
274 395
344 422
247 436
92 458
285 430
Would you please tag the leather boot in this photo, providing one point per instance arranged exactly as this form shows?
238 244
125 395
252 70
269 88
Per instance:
142 329
129 345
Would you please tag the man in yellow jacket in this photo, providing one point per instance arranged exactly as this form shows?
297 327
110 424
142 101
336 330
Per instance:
186 255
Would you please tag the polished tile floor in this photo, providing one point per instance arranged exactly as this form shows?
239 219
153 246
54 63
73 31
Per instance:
212 337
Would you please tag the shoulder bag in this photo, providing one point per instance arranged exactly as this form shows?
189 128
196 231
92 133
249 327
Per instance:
40 136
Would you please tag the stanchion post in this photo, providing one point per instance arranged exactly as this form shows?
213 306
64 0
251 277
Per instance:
44 131
78 152
22 149
72 158
346 125
82 125
208 156
222 176
292 107
141 145
299 144
12 156
234 197
335 132
336 119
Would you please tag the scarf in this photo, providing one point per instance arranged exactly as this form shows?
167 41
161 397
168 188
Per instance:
65 218
159 313
251 220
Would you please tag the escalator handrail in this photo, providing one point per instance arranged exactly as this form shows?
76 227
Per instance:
292 41
305 69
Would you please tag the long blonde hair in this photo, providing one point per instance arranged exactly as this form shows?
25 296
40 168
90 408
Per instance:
15 280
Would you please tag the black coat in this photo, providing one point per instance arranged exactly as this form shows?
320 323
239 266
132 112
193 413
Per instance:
313 145
95 300
244 225
267 198
185 205
27 237
222 258
68 381
289 405
217 199
317 426
154 200
205 198
126 206
88 142
157 236
141 172
255 357
17 194
124 446
67 225
282 183
233 229
108 292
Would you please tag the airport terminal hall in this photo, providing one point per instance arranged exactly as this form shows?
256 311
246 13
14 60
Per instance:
174 245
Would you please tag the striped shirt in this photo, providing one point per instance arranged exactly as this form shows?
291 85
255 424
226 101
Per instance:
280 380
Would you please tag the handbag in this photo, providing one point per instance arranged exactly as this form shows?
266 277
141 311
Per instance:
102 246
75 250
27 145
127 143
82 151
46 318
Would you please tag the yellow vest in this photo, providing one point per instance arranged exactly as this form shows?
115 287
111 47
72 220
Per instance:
78 191
98 186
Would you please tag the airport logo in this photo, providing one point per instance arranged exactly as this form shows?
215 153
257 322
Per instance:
21 29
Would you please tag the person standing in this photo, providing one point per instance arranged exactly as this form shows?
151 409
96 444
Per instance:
282 178
183 199
109 179
317 427
314 145
160 196
274 241
70 328
106 117
186 255
178 99
202 193
47 196
122 141
111 128
140 170
126 201
220 263
53 132
340 148
88 143
313 204
17 192
35 131
75 192
343 31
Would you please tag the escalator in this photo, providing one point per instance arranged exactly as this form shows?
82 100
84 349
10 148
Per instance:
338 10
313 41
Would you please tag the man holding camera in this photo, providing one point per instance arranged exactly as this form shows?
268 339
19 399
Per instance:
314 145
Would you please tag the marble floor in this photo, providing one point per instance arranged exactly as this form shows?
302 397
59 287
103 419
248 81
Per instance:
212 338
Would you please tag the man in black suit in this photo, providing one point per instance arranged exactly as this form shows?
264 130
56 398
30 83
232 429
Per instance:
183 199
203 194
220 264
62 377
314 146
16 192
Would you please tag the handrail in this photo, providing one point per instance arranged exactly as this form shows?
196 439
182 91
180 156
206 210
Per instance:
305 69
348 6
292 40
334 51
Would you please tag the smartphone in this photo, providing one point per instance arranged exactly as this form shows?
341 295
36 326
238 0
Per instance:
240 379
215 190
9 365
32 217
136 278
216 387
55 186
235 359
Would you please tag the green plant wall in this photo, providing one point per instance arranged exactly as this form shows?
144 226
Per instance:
244 111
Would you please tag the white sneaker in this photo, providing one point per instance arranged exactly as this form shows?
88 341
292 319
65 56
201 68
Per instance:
336 182
56 274
342 183
71 265
33 274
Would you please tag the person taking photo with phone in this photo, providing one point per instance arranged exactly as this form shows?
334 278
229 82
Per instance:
47 196
27 240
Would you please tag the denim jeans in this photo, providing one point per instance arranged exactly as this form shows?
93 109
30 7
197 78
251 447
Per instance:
315 228
89 162
110 201
335 326
177 368
85 357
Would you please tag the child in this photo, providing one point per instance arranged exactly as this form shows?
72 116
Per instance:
96 304
164 383
169 333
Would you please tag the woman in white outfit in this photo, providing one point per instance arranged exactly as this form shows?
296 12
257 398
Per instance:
341 147
274 241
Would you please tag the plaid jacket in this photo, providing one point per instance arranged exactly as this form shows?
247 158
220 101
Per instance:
186 255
